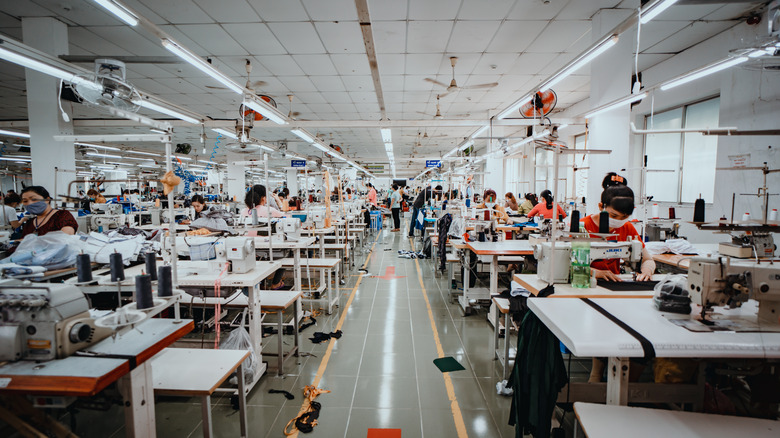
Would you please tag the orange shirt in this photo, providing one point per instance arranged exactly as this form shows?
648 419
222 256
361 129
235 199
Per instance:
623 234
541 208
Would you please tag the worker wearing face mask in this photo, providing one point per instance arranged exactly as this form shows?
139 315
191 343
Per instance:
545 208
617 199
489 201
42 217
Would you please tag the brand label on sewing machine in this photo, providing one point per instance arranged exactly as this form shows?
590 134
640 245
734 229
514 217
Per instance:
4 382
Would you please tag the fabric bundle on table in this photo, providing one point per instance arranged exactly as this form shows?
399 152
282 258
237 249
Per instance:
674 246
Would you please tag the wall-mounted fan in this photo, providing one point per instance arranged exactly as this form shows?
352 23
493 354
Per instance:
250 114
540 105
454 84
107 87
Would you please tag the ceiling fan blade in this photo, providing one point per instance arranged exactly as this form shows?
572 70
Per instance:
258 84
444 94
474 87
434 81
215 88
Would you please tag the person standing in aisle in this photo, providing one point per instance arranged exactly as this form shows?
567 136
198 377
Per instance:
419 202
371 195
395 207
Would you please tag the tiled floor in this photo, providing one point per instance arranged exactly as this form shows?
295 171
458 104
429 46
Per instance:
380 372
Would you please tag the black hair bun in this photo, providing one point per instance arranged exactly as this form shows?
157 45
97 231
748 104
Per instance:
613 179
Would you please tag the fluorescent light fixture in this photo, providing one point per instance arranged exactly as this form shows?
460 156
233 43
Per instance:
466 145
625 101
303 135
266 110
761 52
226 133
653 10
161 109
14 133
119 10
148 165
479 131
706 71
95 154
525 141
145 153
157 131
102 167
201 65
174 157
514 107
34 64
321 147
387 136
118 164
24 160
389 147
586 58
263 147
138 159
98 146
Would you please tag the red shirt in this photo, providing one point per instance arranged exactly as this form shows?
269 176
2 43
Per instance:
58 221
541 208
623 234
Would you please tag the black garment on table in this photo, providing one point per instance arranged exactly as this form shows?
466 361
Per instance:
518 305
537 377
627 285
443 228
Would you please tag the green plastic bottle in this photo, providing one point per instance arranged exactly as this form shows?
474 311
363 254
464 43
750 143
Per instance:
580 264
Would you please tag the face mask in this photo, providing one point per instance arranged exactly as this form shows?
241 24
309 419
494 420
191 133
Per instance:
36 208
490 204
615 223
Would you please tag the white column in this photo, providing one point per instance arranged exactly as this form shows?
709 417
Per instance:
610 79
50 36
292 174
236 180
494 172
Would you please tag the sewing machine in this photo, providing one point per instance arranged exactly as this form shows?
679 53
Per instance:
658 230
240 252
629 251
106 221
720 282
289 228
744 245
45 322
317 218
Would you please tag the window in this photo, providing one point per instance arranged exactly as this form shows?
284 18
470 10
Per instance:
543 171
512 170
680 167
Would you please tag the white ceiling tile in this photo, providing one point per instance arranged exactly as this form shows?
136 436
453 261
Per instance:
341 37
336 97
318 107
152 86
485 10
463 66
366 108
256 38
362 96
428 36
495 63
25 9
647 60
531 63
391 64
433 9
184 11
83 37
213 38
472 80
331 10
147 71
516 36
572 83
472 36
687 12
309 98
296 84
418 83
381 10
578 10
351 64
658 30
343 107
560 61
419 97
733 11
281 65
360 83
131 40
287 10
328 83
316 65
536 9
559 35
392 83
389 36
298 37
422 64
690 36
237 11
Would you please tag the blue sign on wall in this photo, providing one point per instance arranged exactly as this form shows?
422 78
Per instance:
298 163
432 163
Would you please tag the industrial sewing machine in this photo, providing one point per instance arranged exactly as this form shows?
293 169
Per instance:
658 230
289 228
106 216
629 251
317 218
240 253
45 322
747 245
720 282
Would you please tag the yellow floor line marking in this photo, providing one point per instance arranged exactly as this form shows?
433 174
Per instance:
332 342
460 425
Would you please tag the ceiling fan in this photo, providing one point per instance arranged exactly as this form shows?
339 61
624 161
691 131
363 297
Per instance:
454 84
249 84
438 110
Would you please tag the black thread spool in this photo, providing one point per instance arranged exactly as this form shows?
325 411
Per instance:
698 210
116 266
603 222
151 265
164 281
575 222
83 268
143 292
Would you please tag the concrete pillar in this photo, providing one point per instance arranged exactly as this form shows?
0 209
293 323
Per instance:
236 179
610 79
50 36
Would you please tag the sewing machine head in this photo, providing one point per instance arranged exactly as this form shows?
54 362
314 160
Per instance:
45 322
240 252
719 282
289 228
631 252
318 218
749 245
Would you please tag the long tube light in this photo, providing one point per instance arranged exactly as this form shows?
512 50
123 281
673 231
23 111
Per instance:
305 136
586 58
95 154
26 160
98 146
34 64
14 133
266 110
479 131
620 102
705 71
654 10
165 110
514 107
201 65
119 10
226 133
387 136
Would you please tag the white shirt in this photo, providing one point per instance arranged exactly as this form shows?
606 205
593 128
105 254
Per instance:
7 215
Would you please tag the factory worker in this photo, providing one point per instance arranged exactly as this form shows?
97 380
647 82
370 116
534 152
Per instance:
42 217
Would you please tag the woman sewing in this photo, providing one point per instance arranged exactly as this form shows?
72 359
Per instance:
545 209
489 202
42 217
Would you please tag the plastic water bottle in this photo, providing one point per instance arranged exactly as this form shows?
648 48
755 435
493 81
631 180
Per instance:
580 264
